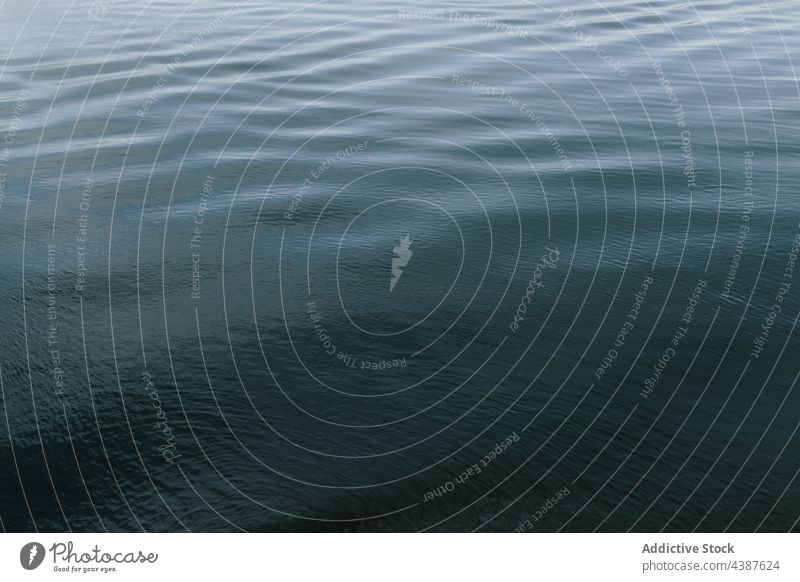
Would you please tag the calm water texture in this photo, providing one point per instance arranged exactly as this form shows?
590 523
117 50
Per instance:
366 266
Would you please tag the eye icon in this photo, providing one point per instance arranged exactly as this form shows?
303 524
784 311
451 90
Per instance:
31 555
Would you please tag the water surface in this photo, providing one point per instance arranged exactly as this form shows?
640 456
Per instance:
376 267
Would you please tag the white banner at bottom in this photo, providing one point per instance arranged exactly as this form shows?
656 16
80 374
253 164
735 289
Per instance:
400 557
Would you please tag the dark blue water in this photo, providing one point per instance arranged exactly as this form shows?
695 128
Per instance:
365 266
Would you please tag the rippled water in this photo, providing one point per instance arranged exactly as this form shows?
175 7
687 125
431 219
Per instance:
361 266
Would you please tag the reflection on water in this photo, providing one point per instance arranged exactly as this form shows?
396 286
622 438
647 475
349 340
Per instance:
297 267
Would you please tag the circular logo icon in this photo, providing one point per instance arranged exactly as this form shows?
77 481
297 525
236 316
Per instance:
31 555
